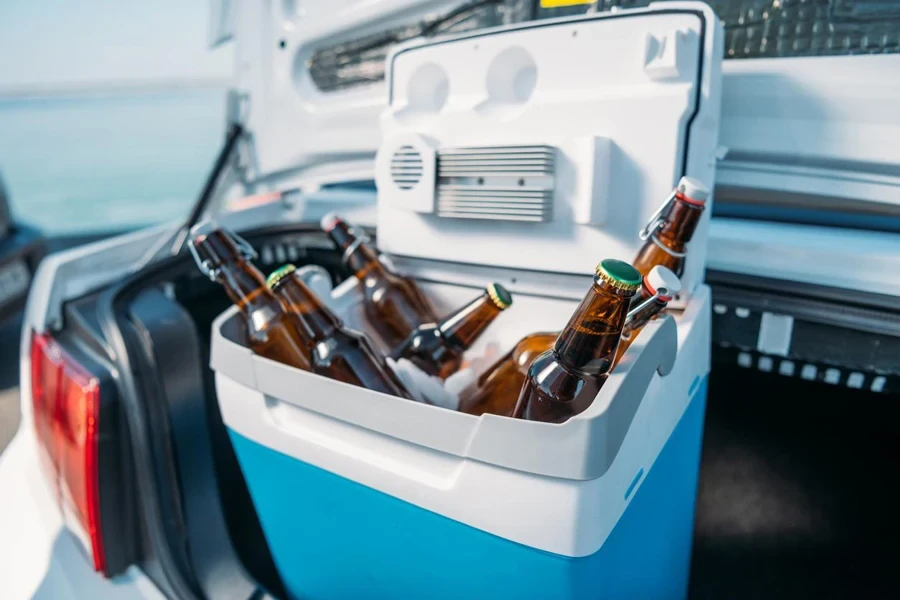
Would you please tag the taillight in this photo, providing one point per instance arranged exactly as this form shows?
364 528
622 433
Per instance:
66 400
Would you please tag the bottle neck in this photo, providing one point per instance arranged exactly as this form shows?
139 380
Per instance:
462 328
318 322
642 295
587 344
243 283
358 255
364 263
246 287
679 226
643 316
531 346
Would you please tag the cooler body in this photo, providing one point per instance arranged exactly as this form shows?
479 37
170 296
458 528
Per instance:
334 538
354 502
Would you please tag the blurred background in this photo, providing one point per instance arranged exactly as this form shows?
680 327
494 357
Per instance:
112 122
106 124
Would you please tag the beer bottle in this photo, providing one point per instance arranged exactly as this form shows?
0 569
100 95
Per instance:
335 351
657 290
497 389
563 381
437 348
225 258
394 304
666 236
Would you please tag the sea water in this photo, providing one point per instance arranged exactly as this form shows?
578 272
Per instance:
108 161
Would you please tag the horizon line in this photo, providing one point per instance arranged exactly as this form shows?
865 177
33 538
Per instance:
49 90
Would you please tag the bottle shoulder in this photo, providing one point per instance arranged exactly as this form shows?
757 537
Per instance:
553 393
532 346
547 371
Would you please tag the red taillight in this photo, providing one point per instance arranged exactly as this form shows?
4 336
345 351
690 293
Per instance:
66 400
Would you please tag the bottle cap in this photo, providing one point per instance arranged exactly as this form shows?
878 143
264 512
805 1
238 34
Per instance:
329 221
662 278
499 295
279 274
619 274
691 191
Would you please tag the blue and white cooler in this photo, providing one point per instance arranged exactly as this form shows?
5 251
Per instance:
521 155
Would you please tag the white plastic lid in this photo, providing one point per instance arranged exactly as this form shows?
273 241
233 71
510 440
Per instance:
693 189
329 221
661 277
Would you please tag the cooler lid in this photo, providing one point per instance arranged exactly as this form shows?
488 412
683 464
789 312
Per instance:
546 146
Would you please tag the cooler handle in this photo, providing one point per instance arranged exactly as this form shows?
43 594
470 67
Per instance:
614 408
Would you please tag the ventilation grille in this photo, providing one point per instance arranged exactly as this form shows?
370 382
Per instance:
509 183
406 168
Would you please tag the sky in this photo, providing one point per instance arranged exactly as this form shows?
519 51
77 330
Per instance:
56 43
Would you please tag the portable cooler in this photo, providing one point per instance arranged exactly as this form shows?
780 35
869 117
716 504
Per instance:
522 155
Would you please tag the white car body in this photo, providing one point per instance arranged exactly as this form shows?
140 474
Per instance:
829 115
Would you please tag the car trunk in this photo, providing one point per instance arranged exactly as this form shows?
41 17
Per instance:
792 499
199 536
204 302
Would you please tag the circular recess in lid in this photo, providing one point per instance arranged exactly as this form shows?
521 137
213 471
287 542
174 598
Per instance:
512 76
511 80
427 89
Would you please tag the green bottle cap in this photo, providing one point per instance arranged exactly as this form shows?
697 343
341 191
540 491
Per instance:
279 274
500 296
619 274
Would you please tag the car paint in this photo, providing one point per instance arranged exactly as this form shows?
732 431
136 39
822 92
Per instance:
39 558
848 259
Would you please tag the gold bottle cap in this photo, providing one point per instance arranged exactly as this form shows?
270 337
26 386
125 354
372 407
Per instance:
499 295
279 274
619 274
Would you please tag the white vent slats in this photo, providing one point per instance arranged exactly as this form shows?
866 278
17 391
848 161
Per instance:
406 168
512 183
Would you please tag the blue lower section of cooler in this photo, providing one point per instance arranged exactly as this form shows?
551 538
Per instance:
333 538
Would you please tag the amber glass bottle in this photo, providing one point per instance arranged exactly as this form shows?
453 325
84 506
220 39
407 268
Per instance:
667 237
225 258
394 304
658 288
563 381
336 351
437 348
497 389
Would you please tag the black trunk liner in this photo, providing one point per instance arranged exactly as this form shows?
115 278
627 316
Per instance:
796 491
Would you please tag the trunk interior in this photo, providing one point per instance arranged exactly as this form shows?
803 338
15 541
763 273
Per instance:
793 498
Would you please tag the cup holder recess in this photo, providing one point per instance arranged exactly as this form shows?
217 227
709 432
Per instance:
511 80
426 92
